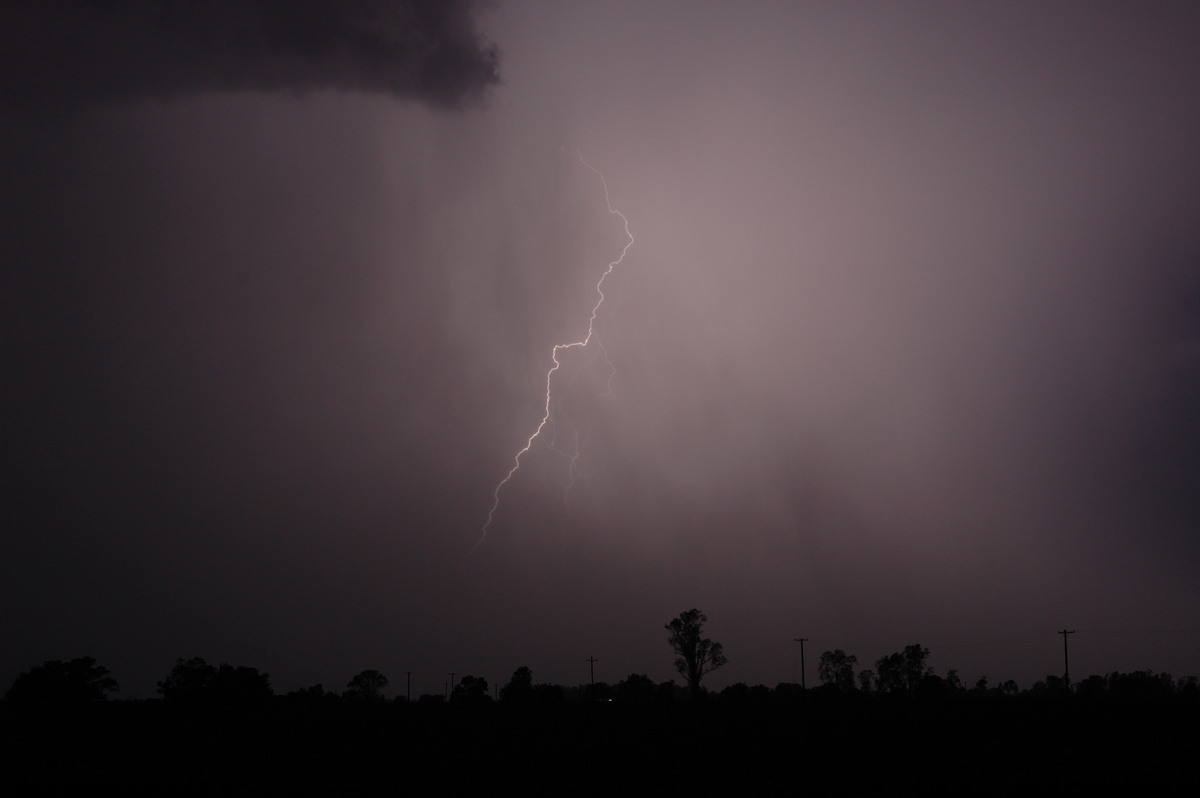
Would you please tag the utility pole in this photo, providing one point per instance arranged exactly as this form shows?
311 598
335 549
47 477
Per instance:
802 641
1066 662
451 690
408 686
591 661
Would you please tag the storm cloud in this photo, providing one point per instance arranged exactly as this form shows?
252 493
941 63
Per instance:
905 349
81 52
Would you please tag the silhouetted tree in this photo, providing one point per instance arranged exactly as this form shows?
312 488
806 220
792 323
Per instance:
933 686
668 691
866 680
312 695
788 692
837 668
239 686
188 680
890 674
75 681
1051 685
366 686
636 688
548 694
1092 687
597 691
520 687
902 672
742 693
195 681
694 655
1140 684
760 693
470 690
738 692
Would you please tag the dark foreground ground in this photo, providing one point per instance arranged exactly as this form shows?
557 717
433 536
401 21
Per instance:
839 745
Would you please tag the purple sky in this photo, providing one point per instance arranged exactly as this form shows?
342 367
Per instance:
907 348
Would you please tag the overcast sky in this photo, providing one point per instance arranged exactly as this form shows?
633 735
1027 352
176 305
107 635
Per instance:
906 348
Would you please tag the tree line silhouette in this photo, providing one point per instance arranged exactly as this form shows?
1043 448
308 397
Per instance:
220 727
907 672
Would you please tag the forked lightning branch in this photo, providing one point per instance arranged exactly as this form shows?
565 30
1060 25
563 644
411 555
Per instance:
583 343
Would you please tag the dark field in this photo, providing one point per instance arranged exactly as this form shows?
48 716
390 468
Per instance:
829 742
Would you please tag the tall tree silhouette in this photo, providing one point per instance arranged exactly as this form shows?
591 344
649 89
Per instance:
694 655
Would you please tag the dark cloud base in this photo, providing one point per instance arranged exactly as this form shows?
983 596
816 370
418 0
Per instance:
69 52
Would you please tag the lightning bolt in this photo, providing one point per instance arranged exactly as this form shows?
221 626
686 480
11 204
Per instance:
582 343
